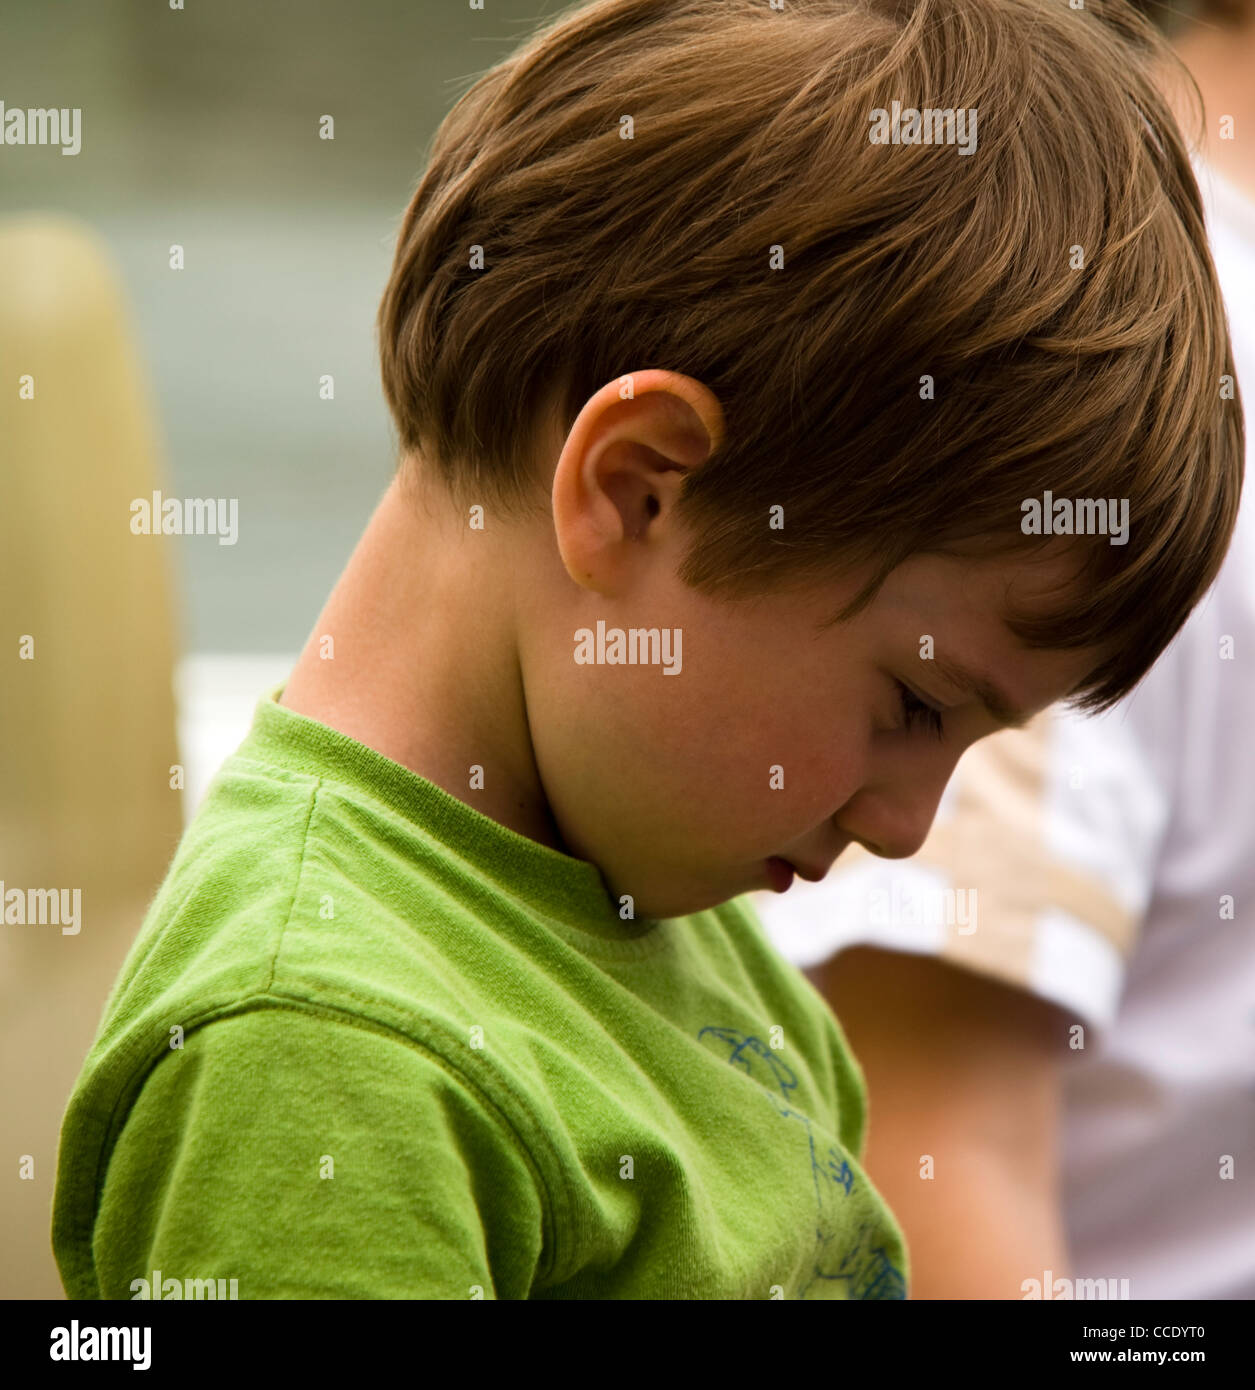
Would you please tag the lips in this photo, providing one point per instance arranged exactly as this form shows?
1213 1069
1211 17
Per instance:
779 865
780 872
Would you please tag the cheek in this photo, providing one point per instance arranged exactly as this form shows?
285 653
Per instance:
748 765
820 767
735 756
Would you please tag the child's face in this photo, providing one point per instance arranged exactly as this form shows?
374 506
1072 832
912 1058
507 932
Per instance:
776 737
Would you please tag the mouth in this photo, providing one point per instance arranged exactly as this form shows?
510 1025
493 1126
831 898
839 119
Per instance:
782 872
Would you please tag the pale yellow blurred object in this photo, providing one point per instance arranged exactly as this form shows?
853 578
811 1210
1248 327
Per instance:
87 728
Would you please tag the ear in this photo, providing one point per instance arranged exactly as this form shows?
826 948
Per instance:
621 470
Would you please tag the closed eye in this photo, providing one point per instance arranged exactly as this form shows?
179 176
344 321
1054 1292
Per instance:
915 713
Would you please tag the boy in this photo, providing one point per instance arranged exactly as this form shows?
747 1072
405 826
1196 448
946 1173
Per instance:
712 410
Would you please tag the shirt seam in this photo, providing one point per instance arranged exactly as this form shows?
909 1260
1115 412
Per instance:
274 1001
588 943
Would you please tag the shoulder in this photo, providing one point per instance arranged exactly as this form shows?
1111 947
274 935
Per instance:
268 1140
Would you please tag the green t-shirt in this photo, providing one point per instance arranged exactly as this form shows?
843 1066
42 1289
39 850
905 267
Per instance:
370 1043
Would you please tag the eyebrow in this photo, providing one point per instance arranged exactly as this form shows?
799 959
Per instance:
995 702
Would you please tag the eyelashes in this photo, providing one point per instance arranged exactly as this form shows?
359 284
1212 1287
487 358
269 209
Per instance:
916 714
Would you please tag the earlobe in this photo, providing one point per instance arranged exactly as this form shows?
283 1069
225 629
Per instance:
622 467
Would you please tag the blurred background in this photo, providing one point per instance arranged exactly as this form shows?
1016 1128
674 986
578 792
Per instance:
201 127
132 666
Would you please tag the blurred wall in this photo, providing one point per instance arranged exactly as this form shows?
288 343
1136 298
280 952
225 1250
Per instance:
200 128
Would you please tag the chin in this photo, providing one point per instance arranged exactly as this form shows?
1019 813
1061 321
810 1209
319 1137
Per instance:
683 902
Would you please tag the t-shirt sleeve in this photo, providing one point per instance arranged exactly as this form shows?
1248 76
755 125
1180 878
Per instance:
1038 869
306 1157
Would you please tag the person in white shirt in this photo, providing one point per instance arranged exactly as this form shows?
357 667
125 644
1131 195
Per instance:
1054 1001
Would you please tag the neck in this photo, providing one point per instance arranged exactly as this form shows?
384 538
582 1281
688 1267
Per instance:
425 667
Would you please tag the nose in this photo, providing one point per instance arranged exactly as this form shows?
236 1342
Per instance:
892 819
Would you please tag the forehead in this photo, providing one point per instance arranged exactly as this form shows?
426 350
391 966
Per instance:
984 588
962 603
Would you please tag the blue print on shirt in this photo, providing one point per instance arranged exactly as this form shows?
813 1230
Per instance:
857 1259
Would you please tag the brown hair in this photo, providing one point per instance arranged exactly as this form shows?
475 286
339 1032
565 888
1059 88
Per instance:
605 255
